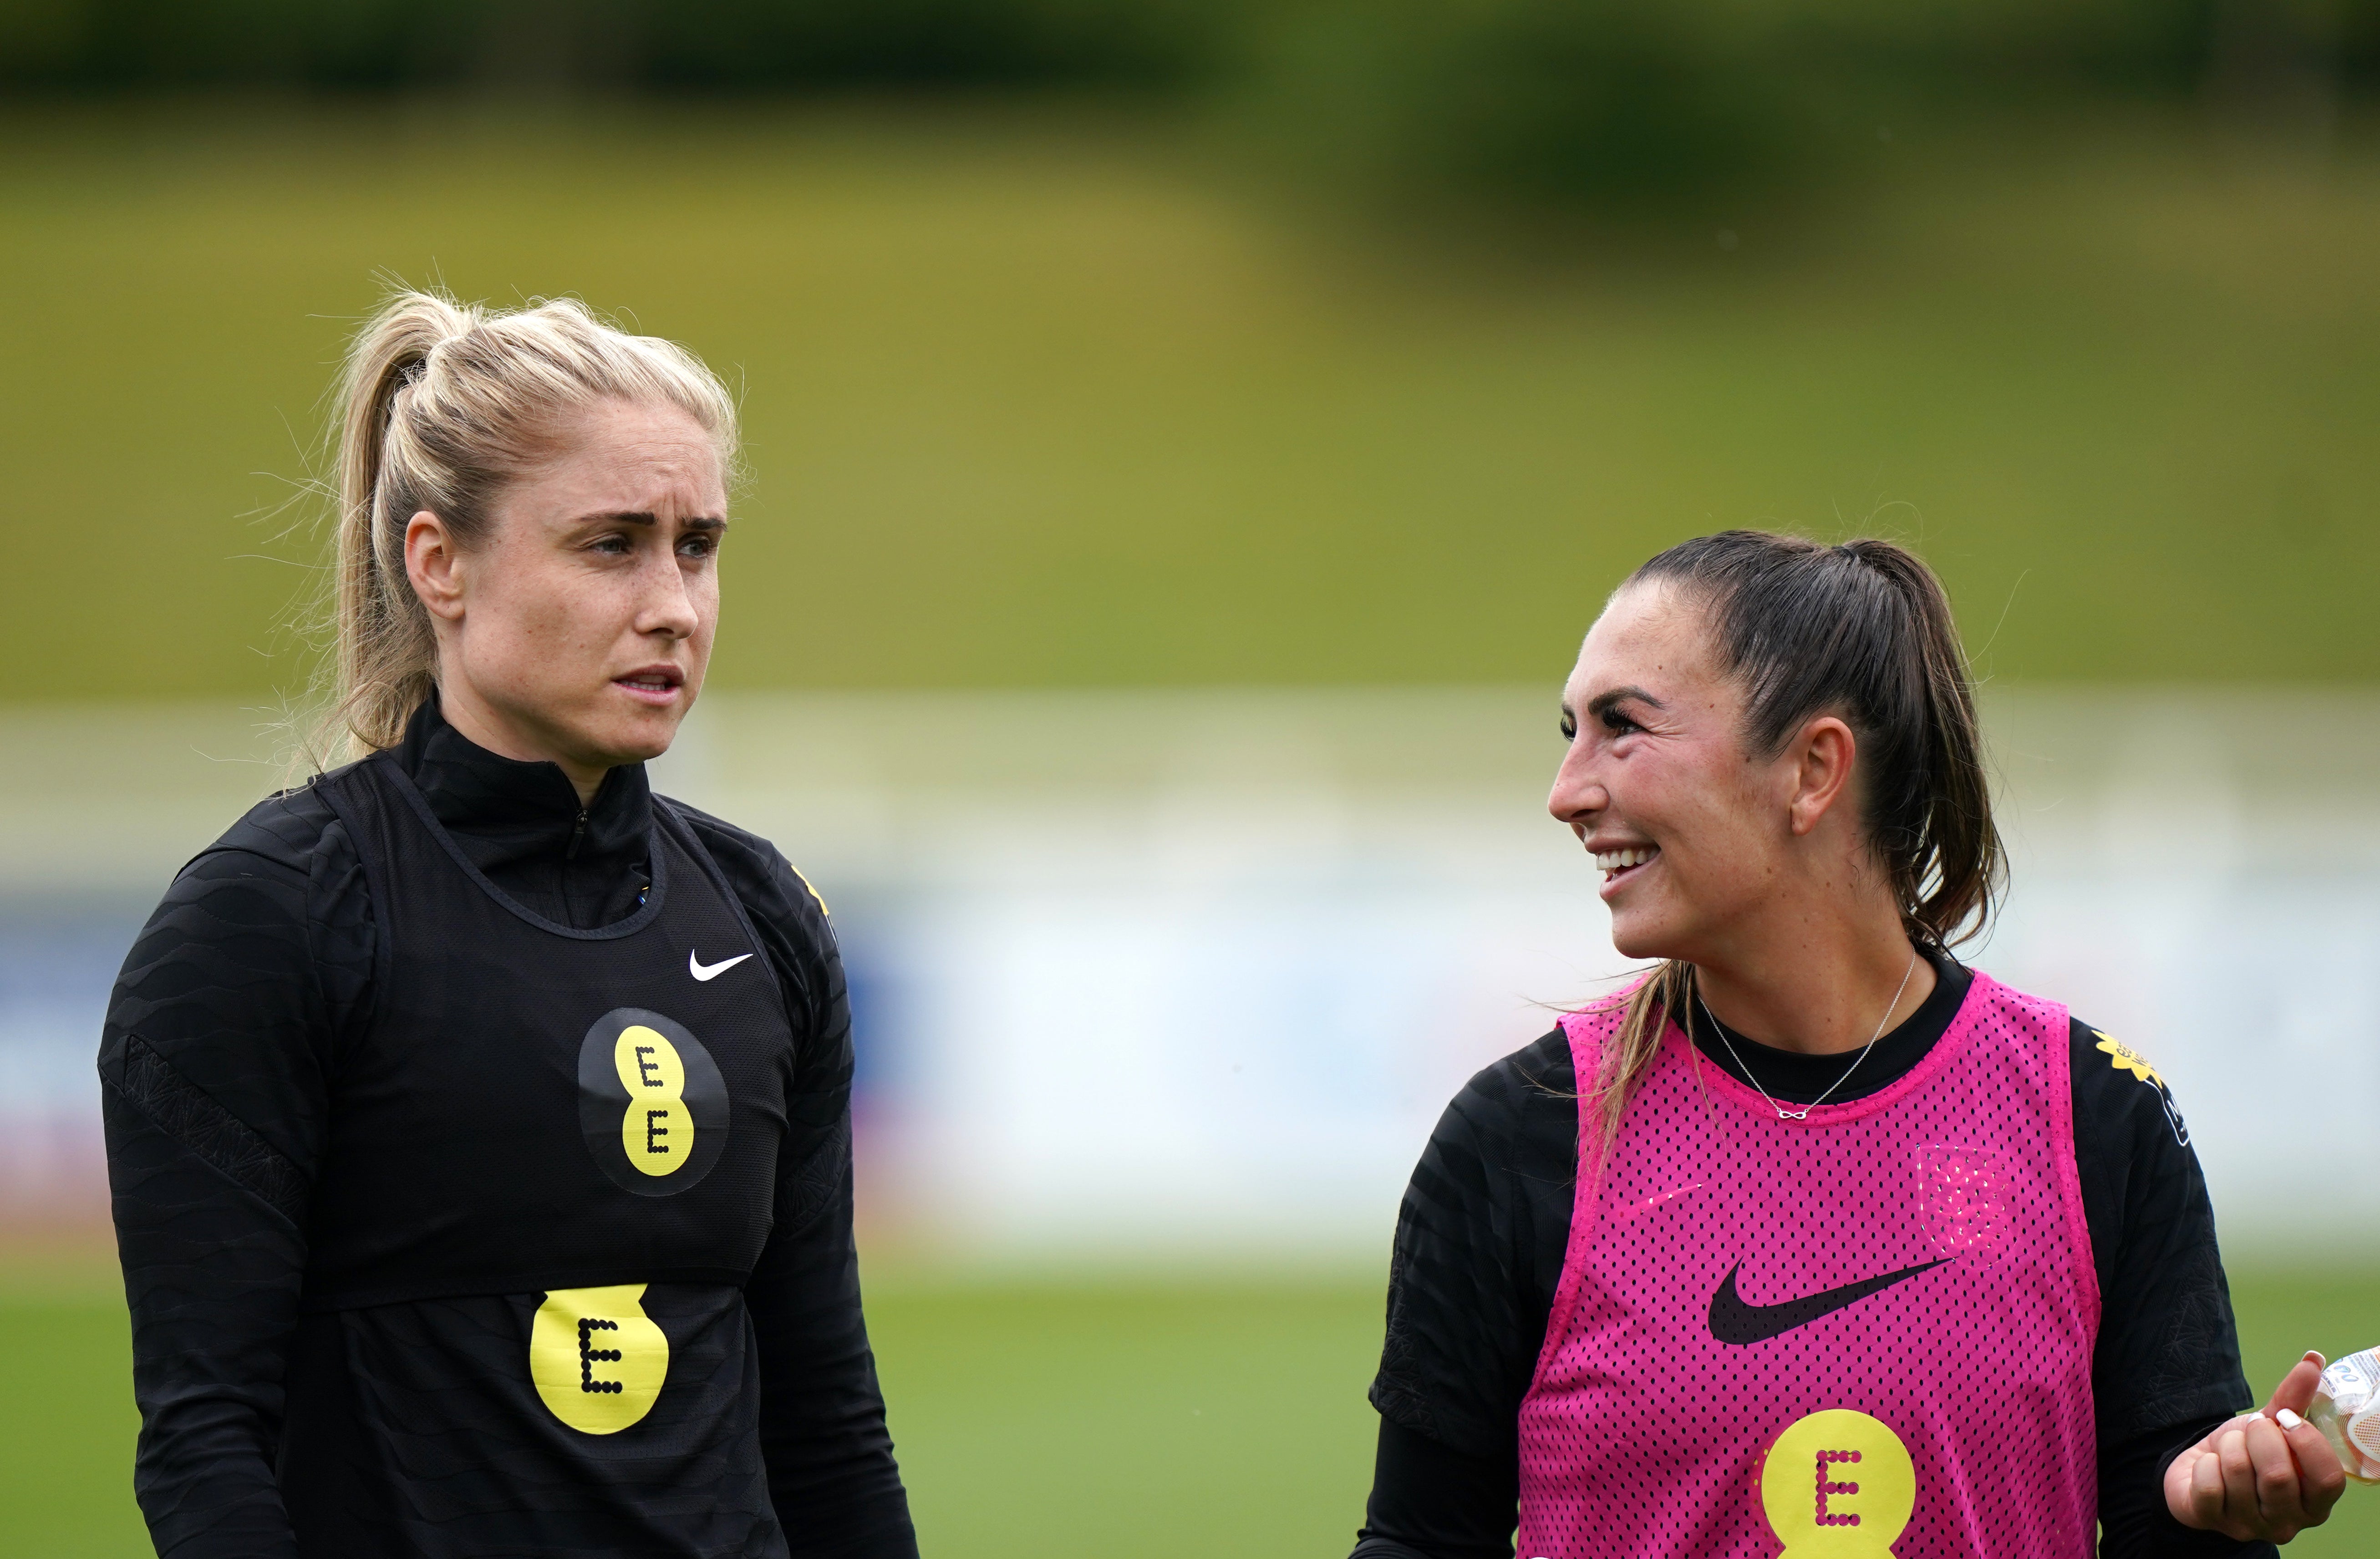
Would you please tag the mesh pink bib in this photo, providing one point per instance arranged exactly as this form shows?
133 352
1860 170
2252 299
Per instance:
1865 1335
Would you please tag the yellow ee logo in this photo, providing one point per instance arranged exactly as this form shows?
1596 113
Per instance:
596 1359
1839 1485
653 1105
656 1130
2123 1058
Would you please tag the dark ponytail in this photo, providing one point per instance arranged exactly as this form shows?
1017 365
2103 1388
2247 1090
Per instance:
1863 631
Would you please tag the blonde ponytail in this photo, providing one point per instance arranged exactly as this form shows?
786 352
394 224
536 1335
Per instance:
441 405
386 659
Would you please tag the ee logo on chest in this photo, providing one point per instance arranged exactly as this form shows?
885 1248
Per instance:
654 1075
651 1103
597 1360
1839 1485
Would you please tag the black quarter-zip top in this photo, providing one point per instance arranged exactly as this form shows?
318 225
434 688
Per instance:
481 1164
523 826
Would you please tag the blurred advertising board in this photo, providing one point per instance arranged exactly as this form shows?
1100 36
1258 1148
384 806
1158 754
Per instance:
1187 975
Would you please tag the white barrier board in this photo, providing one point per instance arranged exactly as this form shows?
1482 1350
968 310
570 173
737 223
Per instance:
1190 974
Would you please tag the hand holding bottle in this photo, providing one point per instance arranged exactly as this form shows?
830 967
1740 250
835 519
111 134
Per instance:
2347 1411
2264 1476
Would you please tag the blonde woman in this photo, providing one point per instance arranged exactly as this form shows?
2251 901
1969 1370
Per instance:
479 1121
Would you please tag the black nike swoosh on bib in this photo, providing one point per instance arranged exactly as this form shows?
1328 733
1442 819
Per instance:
1735 1321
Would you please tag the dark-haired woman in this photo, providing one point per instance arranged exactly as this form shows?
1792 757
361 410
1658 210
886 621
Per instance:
1816 1239
478 1121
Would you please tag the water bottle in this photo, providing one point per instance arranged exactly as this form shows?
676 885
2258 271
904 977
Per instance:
2347 1409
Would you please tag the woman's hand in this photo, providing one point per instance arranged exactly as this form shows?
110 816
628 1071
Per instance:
2264 1476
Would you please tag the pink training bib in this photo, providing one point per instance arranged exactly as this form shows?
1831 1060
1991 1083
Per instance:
1862 1336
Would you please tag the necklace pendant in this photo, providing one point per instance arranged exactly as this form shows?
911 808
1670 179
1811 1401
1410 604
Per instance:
1803 1113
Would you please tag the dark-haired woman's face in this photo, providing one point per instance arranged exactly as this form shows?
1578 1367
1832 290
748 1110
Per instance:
1688 829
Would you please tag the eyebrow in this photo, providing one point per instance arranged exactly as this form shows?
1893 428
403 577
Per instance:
1602 701
645 517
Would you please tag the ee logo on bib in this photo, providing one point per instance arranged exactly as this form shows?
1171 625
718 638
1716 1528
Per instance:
651 1103
597 1360
1839 1485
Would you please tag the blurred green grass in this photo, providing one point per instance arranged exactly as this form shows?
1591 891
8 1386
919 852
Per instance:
1045 1420
1035 397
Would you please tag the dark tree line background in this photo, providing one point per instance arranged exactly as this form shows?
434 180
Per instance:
1600 101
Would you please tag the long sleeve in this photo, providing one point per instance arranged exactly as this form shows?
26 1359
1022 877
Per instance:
1478 1250
213 1094
831 1474
1432 1501
2166 1367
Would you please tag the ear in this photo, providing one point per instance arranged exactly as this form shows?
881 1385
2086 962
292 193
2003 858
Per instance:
1823 753
435 565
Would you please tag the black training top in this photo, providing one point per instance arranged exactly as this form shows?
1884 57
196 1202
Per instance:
1485 1226
474 1201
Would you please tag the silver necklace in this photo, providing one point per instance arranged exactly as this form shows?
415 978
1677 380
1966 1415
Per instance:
1803 1113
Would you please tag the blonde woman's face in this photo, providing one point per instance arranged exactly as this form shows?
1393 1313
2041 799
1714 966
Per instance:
578 631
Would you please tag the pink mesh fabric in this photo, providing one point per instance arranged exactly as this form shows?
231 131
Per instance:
1964 1201
1644 1433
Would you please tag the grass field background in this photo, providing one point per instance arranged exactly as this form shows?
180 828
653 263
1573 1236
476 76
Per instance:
1165 1421
1035 397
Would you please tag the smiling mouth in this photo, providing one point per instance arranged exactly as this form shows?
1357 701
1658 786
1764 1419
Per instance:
1618 866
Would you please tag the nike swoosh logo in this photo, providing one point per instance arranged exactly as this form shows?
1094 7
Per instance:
1732 1319
702 971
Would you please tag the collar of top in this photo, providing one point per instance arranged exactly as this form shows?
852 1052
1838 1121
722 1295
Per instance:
529 811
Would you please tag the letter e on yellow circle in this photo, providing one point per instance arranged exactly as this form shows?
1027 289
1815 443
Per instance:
648 1063
597 1360
656 1129
657 1134
1839 1485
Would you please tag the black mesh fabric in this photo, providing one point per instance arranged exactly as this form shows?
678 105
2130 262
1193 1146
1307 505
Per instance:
459 1166
247 1062
457 1467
